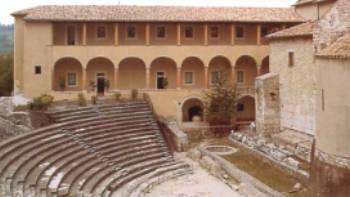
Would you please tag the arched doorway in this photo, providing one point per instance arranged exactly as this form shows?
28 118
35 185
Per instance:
192 75
265 66
163 73
100 75
245 109
132 74
67 75
246 71
192 109
220 66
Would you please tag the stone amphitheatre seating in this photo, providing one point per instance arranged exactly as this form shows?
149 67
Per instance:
106 150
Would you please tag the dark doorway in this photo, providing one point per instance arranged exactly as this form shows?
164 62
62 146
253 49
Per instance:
194 111
160 80
100 86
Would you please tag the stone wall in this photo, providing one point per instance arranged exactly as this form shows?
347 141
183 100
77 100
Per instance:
333 25
268 104
297 83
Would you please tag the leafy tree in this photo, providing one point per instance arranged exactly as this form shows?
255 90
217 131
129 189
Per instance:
220 102
6 75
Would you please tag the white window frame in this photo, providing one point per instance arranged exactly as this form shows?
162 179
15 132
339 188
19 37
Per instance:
96 31
127 32
165 32
184 33
184 78
219 33
243 77
244 32
76 79
75 34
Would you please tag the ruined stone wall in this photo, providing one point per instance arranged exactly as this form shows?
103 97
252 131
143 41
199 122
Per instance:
297 83
333 25
268 104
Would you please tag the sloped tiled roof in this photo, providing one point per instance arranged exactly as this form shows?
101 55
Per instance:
303 2
158 13
302 30
340 49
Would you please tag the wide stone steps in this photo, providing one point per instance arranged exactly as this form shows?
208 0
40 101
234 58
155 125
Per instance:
90 151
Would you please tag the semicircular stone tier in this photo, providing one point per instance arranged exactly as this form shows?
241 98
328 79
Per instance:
105 150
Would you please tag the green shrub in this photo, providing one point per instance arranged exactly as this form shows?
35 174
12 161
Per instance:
117 96
94 100
62 83
134 94
81 99
41 103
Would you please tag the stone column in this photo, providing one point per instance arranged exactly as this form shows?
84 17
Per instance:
178 33
206 77
258 70
116 74
116 34
148 78
83 84
178 78
258 35
84 34
233 34
233 75
206 34
147 34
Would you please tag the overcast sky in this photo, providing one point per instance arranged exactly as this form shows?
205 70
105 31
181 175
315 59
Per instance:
9 6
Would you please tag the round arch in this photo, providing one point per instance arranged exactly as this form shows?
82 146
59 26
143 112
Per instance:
265 66
246 70
100 75
131 74
192 73
246 109
192 108
67 75
163 69
220 64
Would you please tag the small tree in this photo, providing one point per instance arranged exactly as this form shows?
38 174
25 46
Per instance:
165 83
220 103
92 85
62 83
107 84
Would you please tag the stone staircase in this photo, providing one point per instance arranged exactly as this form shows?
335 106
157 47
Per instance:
100 151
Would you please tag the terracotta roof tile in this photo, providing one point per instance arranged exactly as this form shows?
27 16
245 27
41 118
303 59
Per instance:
302 30
159 13
340 49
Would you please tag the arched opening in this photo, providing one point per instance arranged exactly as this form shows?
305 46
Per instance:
163 73
192 110
192 75
132 74
100 75
217 66
67 75
246 71
245 109
265 66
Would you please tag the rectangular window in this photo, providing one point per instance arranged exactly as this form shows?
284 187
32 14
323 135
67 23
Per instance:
71 34
131 32
37 69
214 32
240 107
101 32
189 33
72 79
188 78
240 76
161 32
215 76
239 32
291 59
